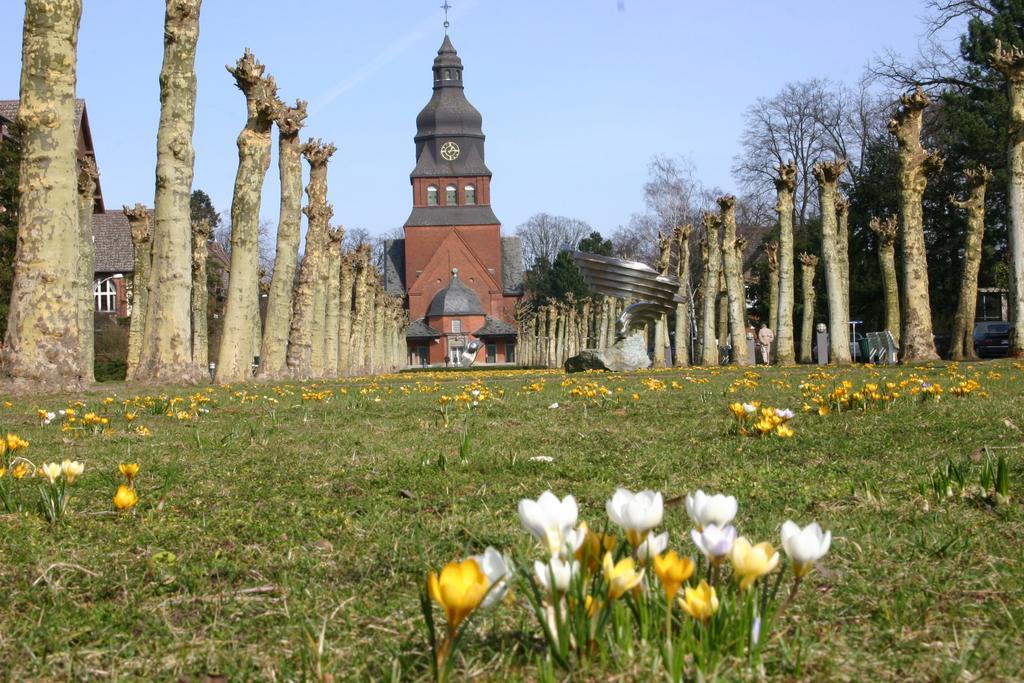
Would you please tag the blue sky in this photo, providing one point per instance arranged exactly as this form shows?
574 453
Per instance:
576 95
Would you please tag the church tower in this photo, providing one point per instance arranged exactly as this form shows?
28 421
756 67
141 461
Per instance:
461 279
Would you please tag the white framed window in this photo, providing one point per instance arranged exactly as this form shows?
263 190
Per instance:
431 195
450 196
457 326
470 194
105 293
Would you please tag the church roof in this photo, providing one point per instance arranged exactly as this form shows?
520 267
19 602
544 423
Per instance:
496 328
512 272
419 329
112 240
455 299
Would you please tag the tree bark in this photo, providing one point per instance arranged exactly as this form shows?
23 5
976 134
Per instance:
346 275
915 164
200 295
360 309
710 252
962 342
1010 62
274 350
887 231
808 264
142 247
771 251
682 238
234 361
843 251
42 345
827 174
733 267
551 358
785 186
333 315
88 178
167 334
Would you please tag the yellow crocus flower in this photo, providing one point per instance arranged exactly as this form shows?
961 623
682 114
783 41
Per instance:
752 562
20 470
129 470
593 547
700 602
622 577
459 590
125 498
737 411
672 571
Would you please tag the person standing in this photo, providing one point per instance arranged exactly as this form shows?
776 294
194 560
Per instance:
765 336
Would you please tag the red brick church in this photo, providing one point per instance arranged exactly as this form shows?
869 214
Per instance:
460 278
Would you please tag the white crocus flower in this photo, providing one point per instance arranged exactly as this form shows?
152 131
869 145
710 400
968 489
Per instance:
636 513
557 569
805 546
497 568
785 413
715 542
550 520
703 509
654 544
749 408
51 471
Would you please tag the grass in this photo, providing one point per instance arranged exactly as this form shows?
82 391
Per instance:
279 538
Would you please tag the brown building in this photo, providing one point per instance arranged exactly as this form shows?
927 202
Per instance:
460 278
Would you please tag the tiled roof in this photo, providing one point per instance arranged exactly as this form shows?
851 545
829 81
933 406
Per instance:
112 239
9 110
496 328
455 299
512 277
419 329
394 267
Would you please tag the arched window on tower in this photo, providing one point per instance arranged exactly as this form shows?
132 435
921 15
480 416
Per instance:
470 194
450 198
447 74
432 195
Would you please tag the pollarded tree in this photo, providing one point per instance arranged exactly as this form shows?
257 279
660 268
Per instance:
346 279
915 164
279 300
808 264
887 230
710 252
42 347
771 252
785 186
333 301
733 266
142 248
262 106
827 174
166 354
1010 62
682 239
360 309
661 345
88 178
961 345
843 250
200 294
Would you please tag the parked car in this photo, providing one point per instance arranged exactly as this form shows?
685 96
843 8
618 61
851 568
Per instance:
992 339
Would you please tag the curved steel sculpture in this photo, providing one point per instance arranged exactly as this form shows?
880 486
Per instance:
654 294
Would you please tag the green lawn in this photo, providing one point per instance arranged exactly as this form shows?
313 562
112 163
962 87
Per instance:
287 539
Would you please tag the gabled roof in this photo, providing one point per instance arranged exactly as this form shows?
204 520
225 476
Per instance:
496 328
419 329
112 240
512 277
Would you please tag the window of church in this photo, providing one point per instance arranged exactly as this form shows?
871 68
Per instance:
432 196
456 326
449 196
470 194
105 292
447 74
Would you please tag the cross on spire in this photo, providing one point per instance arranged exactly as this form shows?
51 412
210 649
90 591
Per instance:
446 7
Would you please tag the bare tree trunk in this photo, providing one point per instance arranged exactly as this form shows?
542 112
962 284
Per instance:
682 238
552 357
808 264
587 317
333 296
772 253
962 342
785 185
234 359
167 333
274 350
1010 61
138 220
42 347
346 276
360 309
709 353
369 329
887 231
733 267
380 305
843 251
200 295
611 321
88 177
827 174
723 314
915 164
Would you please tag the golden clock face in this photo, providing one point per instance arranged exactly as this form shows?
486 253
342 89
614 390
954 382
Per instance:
449 151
